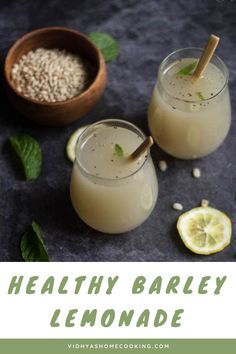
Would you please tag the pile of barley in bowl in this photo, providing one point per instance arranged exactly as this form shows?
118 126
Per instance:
50 75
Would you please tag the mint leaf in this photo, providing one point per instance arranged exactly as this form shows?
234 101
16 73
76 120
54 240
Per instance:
187 70
118 150
29 153
200 96
32 245
107 45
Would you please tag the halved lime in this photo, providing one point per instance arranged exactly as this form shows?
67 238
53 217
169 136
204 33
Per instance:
71 144
205 230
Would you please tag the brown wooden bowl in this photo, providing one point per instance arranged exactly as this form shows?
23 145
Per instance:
58 113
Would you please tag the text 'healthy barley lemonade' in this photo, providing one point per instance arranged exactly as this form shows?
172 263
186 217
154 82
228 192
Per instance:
108 191
190 119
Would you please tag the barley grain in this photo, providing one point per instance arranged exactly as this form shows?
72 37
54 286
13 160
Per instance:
196 172
162 165
50 75
177 206
204 203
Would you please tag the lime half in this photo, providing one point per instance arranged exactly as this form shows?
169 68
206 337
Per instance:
205 230
71 144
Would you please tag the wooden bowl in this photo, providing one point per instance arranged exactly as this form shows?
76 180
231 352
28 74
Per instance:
58 113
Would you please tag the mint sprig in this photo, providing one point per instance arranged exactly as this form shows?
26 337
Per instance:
107 45
188 69
29 153
118 150
32 245
200 96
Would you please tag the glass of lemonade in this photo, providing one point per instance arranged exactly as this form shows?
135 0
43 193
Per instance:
190 119
109 192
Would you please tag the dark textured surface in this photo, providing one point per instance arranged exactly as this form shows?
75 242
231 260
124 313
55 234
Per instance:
147 31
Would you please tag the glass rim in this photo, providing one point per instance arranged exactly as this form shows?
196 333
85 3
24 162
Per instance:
91 127
225 73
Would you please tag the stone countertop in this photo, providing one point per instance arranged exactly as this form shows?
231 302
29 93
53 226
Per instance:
147 31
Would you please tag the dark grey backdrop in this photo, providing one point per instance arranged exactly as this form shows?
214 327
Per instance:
147 31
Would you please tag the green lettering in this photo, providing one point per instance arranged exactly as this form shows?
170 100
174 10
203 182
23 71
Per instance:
15 284
219 284
61 289
125 318
48 286
143 318
53 322
95 285
176 318
111 284
160 318
31 284
203 284
156 286
138 285
79 282
173 283
70 317
89 317
108 318
187 285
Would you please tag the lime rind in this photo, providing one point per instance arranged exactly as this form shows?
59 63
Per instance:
205 230
71 144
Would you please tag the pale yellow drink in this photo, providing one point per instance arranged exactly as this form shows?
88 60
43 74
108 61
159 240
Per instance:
110 193
190 120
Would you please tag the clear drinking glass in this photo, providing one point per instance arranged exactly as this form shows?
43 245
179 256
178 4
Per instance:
108 192
190 119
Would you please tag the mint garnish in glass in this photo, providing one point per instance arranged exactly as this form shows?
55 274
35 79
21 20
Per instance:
188 69
118 151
